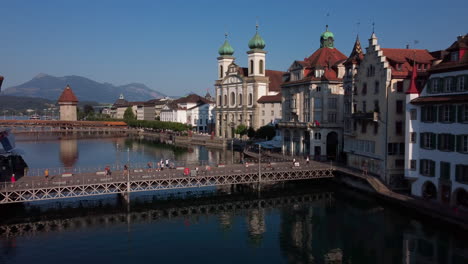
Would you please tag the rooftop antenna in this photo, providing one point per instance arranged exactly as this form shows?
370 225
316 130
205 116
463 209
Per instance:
373 26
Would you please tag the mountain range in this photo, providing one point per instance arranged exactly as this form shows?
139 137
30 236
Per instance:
50 87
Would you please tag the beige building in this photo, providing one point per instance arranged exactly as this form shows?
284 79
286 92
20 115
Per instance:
270 109
239 89
68 103
312 100
376 142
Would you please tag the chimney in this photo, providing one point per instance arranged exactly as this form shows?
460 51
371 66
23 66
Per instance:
407 46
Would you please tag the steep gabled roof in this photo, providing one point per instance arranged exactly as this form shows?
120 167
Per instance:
356 55
67 96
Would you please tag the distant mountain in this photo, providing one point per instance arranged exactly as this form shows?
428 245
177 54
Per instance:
50 87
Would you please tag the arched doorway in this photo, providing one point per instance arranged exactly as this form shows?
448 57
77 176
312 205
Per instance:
461 198
429 191
332 145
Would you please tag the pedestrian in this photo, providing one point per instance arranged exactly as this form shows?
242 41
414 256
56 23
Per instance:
167 163
294 161
149 165
307 159
196 171
162 165
125 171
159 167
46 174
13 179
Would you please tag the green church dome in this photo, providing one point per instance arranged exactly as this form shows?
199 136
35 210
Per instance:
226 49
257 42
326 39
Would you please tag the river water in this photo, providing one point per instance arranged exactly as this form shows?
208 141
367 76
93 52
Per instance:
300 222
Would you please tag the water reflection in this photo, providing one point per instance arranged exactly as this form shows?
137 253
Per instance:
69 152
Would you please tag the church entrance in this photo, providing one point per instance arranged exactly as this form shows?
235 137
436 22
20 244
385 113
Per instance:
332 145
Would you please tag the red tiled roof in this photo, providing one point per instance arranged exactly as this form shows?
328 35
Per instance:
330 75
67 96
447 64
325 57
270 99
406 57
193 98
275 77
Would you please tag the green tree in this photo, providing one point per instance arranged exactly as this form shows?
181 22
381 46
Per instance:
241 130
267 132
251 132
128 114
88 109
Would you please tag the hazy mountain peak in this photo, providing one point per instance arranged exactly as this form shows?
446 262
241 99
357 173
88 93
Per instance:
84 88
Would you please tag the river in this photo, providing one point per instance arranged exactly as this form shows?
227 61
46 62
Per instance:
298 222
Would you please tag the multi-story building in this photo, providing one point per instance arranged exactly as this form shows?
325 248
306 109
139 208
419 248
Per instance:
239 89
192 110
376 142
270 109
436 156
312 100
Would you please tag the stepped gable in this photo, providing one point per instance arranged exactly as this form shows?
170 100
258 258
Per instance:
67 96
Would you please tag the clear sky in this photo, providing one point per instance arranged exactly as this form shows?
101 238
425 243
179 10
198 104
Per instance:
172 45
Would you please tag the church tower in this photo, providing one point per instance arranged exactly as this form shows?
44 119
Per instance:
256 55
225 58
68 102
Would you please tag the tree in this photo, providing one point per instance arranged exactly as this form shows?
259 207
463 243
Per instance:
128 114
88 109
267 132
241 130
251 132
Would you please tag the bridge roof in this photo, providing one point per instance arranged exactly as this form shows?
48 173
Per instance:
60 123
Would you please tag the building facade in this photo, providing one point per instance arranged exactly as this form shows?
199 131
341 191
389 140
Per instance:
68 103
376 143
270 109
312 100
239 89
436 139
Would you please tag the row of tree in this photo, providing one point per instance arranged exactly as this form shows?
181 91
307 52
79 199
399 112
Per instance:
267 131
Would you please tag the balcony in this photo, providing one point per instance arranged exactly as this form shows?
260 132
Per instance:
292 124
371 116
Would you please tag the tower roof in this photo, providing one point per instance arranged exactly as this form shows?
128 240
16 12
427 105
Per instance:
326 39
257 42
226 49
356 55
67 96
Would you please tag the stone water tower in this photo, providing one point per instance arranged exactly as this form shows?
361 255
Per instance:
68 102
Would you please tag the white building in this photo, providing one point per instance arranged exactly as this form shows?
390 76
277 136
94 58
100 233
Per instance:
238 89
192 110
436 138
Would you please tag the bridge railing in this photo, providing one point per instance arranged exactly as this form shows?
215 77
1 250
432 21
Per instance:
141 174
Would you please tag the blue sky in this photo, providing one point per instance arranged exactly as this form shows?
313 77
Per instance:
171 46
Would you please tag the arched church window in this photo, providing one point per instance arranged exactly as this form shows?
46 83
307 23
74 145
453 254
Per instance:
251 66
260 67
250 99
233 98
240 99
221 71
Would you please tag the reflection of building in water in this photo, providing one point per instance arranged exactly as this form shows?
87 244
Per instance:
334 256
296 235
256 225
68 152
225 221
427 247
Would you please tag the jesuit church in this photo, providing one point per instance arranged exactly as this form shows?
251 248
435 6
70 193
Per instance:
240 91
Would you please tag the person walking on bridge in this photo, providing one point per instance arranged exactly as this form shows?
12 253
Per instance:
125 171
13 178
46 174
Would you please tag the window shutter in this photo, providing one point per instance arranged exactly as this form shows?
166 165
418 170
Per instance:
459 114
423 114
441 112
421 140
433 140
434 114
452 142
421 164
441 170
432 167
453 88
459 143
466 82
458 172
439 145
441 84
429 86
453 108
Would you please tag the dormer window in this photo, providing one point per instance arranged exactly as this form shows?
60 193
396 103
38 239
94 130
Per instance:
454 56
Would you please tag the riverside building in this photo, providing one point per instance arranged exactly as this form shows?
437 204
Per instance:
436 139
312 97
374 142
241 92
